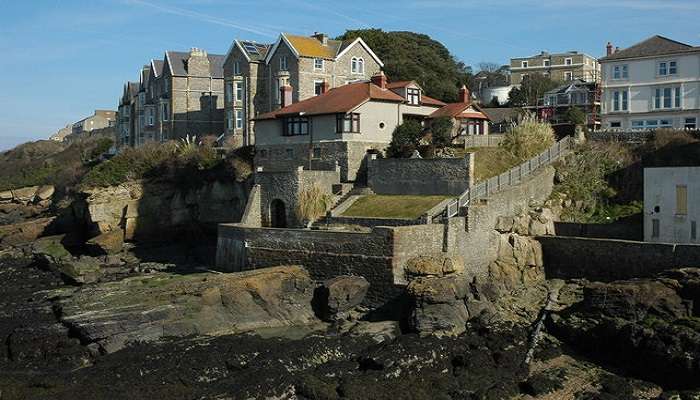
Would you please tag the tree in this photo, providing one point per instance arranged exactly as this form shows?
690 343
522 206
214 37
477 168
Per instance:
405 139
576 116
441 129
415 56
312 204
488 66
531 89
529 138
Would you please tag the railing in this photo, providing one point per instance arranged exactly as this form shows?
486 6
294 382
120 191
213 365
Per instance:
509 178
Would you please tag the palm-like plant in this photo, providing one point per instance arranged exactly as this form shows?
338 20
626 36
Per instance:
312 204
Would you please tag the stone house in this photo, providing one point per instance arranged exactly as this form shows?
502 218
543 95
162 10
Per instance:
559 67
467 117
651 84
671 204
338 127
309 66
125 122
100 119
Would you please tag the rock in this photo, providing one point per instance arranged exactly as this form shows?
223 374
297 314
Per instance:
49 250
110 242
378 331
687 285
521 224
438 305
25 232
45 192
24 195
341 294
147 308
81 270
433 265
537 228
634 300
505 224
6 195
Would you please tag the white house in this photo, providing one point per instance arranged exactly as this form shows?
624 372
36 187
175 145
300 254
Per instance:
652 84
671 204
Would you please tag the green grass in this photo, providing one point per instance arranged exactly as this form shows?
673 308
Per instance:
392 206
490 161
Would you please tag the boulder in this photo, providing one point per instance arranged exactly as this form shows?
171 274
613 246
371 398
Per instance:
25 194
49 250
505 224
25 232
45 192
110 242
434 265
341 294
379 331
438 305
634 300
81 270
6 195
148 308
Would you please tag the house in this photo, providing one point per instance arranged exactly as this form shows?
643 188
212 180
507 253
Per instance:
501 118
651 84
62 133
180 95
554 104
100 119
671 204
339 126
558 67
467 117
310 65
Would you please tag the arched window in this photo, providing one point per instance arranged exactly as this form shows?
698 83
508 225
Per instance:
357 65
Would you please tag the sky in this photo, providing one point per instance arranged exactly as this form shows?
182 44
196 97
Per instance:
61 60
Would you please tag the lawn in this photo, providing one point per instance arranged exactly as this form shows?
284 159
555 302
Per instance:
490 161
392 206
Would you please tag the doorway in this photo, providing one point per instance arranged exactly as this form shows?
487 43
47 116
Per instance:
278 214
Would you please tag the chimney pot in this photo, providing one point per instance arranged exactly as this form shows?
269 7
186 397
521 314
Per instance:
609 49
285 96
464 95
379 79
325 87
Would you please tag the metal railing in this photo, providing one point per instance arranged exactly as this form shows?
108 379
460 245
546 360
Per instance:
511 177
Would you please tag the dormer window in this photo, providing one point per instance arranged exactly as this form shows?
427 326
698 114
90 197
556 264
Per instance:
413 96
237 68
357 65
283 63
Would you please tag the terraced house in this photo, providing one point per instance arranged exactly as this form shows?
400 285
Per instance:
561 67
261 78
181 95
652 84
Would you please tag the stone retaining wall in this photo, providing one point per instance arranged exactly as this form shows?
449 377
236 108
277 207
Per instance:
611 259
418 176
625 230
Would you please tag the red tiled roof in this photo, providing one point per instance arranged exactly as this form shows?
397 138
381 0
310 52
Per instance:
337 100
398 84
431 101
456 110
473 115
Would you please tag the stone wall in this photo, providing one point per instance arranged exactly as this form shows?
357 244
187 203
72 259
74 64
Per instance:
418 176
146 211
625 230
610 259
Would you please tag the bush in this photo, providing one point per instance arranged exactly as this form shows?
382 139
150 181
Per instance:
671 137
576 116
529 138
405 139
312 204
441 130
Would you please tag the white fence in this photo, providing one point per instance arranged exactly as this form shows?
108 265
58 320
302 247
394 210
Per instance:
511 177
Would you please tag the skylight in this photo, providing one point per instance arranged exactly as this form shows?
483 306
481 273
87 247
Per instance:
250 48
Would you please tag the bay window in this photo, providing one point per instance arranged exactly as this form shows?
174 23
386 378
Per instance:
667 97
239 119
239 91
296 126
347 123
620 100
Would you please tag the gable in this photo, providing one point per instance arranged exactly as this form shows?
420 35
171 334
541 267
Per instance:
281 41
365 46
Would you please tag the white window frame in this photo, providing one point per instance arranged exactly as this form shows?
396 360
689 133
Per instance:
620 72
316 64
668 66
316 82
659 98
357 65
620 100
238 87
690 123
568 75
164 112
618 123
229 120
524 64
284 64
568 61
546 63
237 68
239 118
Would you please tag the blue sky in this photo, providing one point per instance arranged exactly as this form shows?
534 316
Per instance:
63 59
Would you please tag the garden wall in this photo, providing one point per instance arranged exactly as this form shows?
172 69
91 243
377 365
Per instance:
419 176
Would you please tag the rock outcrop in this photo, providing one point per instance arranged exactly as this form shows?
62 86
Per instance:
25 232
341 294
110 242
147 308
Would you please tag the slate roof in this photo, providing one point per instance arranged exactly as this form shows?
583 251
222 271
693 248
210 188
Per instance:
500 115
311 47
178 63
342 99
260 49
653 46
158 67
133 89
577 84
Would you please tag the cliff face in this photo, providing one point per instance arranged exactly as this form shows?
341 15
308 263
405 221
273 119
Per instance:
147 211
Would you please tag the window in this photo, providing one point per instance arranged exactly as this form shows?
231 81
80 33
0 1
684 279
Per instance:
229 119
229 91
296 126
279 83
672 68
667 97
413 96
318 87
681 200
620 71
665 68
316 153
347 123
318 64
615 124
283 63
239 91
237 68
655 228
651 123
357 65
239 119
693 230
568 76
524 64
568 61
546 63
164 112
690 123
150 117
662 69
620 100
166 86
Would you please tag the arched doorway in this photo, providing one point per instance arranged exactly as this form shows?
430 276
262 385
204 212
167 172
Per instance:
278 214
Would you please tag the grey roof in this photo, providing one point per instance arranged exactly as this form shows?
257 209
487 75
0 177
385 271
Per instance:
499 115
133 89
654 46
578 84
158 67
255 51
178 62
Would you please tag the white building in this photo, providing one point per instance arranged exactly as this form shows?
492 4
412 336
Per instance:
652 84
671 204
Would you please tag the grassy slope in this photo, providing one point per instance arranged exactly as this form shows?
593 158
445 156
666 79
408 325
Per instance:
490 161
386 206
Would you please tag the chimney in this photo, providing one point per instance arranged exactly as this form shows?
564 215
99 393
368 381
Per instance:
198 63
616 49
464 96
321 37
609 49
379 79
285 96
325 87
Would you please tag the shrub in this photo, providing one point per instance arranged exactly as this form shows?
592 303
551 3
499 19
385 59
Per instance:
671 137
441 130
528 138
576 116
405 139
312 204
